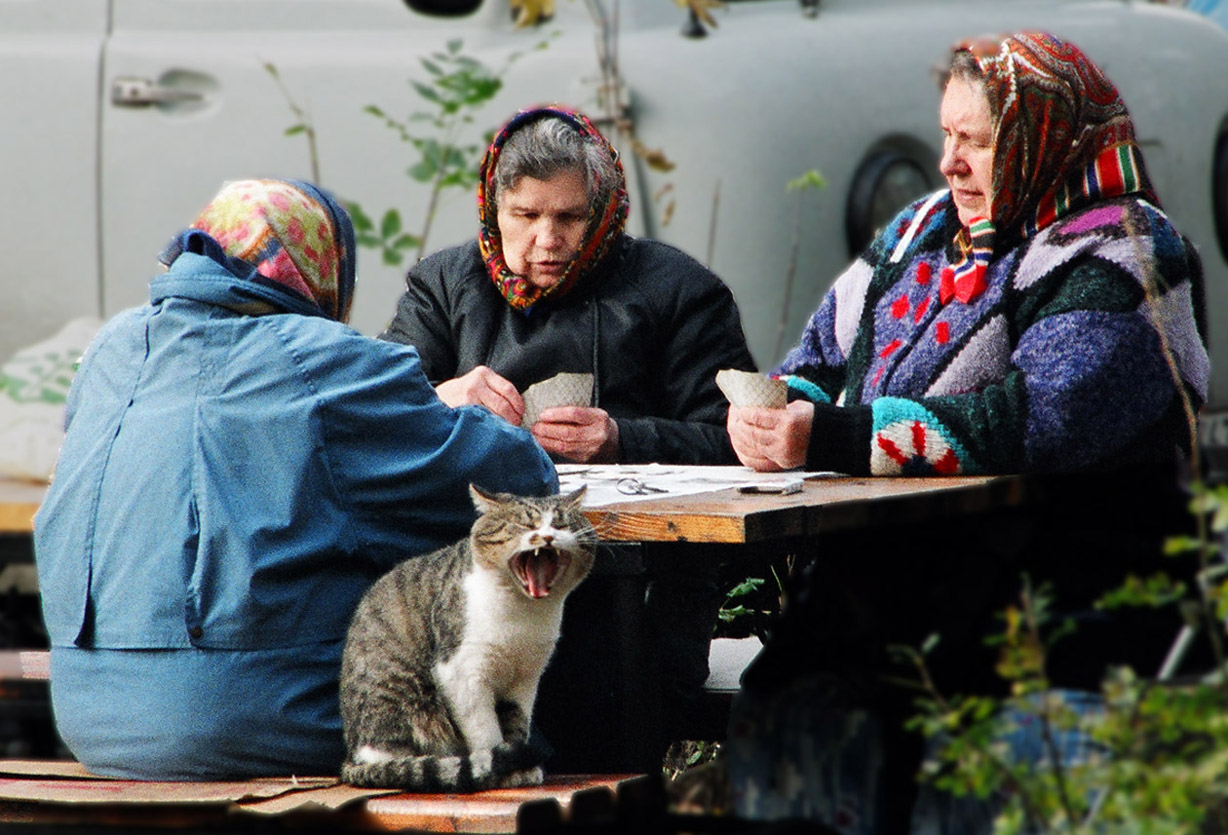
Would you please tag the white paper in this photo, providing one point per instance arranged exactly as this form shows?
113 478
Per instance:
662 480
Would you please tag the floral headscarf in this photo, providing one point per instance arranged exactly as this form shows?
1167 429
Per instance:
287 232
1062 139
605 222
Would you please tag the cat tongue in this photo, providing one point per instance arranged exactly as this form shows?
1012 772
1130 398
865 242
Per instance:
540 568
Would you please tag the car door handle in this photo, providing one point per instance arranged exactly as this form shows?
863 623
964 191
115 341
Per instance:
141 92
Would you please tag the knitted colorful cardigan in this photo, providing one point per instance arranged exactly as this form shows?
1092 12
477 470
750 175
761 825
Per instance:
1057 365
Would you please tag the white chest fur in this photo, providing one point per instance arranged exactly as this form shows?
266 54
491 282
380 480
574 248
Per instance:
506 642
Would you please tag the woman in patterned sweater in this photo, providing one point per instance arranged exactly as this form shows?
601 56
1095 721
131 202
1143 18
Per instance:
1015 322
1021 321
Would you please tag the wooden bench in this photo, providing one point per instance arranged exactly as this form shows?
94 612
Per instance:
61 793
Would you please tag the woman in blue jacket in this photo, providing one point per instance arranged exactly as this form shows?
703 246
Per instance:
239 466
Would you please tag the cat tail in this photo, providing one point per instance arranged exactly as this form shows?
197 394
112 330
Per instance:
459 774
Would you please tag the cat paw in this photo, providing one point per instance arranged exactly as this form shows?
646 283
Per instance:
525 777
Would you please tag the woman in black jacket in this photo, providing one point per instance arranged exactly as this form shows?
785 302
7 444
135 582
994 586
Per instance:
553 284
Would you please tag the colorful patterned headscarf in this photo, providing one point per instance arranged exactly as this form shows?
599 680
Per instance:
605 222
1062 139
293 234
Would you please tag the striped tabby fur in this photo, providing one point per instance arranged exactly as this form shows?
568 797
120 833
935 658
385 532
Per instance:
445 651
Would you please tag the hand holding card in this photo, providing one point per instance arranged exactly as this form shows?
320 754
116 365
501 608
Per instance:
746 388
560 390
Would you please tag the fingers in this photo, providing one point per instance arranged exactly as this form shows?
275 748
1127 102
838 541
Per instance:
483 387
769 440
502 398
578 433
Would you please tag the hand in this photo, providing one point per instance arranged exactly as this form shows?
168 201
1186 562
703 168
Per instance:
581 434
770 440
483 387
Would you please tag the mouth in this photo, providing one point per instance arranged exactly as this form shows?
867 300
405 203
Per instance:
537 570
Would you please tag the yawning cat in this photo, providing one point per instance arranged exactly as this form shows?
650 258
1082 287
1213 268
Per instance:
444 653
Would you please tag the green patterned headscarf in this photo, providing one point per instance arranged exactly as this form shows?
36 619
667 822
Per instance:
294 234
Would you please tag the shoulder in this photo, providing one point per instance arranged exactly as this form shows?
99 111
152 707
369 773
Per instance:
454 263
1123 235
662 270
333 357
927 222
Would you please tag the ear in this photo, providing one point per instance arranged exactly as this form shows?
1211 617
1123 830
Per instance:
482 500
576 497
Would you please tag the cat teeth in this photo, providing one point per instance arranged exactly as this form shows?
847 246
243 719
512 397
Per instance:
537 570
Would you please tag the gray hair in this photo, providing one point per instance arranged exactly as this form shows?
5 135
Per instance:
963 65
550 146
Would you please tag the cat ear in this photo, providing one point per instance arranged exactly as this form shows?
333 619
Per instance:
575 497
482 500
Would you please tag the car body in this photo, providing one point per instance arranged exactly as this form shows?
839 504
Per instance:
123 117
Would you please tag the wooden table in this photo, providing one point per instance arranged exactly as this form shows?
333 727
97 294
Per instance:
725 516
827 504
607 639
19 501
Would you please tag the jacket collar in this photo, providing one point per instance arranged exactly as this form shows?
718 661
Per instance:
201 279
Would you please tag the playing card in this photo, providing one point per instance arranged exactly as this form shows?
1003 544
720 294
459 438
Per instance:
560 390
746 388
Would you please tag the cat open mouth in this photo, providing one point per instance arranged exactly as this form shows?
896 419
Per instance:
538 569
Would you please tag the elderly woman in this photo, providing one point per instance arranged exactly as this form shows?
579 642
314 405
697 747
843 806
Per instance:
1037 316
1020 320
553 284
239 466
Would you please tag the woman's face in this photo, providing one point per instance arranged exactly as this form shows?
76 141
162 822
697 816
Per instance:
542 223
967 151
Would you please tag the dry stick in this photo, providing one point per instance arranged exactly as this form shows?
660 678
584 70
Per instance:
790 272
1151 289
304 118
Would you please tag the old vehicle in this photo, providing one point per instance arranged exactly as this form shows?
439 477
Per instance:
124 116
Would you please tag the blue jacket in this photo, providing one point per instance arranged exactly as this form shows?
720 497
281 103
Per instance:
229 486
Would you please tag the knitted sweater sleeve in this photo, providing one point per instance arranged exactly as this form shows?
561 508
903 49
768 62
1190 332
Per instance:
1084 382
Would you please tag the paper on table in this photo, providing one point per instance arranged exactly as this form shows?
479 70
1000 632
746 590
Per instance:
564 389
746 388
661 481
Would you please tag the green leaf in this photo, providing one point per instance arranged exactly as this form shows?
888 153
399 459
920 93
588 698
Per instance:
454 45
811 179
745 587
390 224
426 91
362 223
296 129
423 171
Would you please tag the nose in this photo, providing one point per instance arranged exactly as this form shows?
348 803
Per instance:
549 233
951 164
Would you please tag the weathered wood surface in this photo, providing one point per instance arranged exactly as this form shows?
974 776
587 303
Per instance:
728 516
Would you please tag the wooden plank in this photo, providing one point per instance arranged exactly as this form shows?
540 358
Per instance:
58 794
731 517
30 665
19 501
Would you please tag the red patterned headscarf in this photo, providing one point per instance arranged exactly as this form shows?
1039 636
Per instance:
1062 139
605 222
